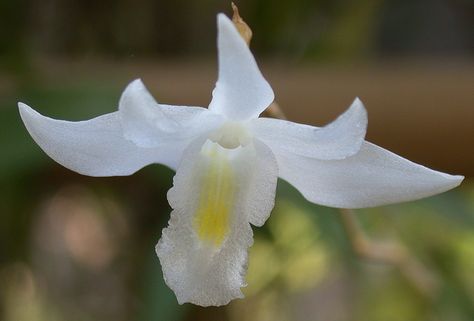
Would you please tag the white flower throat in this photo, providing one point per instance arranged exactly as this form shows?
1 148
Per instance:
231 135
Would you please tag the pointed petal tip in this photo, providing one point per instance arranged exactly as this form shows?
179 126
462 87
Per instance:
134 92
358 105
135 84
455 180
222 19
27 114
23 108
446 182
358 111
224 24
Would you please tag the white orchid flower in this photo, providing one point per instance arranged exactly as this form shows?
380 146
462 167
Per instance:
227 161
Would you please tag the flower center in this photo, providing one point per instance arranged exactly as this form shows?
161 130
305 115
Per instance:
231 135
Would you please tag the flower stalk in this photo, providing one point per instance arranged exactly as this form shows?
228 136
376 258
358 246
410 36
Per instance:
391 253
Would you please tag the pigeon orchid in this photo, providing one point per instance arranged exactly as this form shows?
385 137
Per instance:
227 162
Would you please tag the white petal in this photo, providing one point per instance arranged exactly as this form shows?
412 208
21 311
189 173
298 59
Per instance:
339 139
216 193
241 91
263 175
149 124
94 147
372 177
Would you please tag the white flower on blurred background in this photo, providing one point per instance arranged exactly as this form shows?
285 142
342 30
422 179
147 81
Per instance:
227 161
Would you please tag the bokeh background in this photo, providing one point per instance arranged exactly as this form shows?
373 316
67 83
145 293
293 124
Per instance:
79 248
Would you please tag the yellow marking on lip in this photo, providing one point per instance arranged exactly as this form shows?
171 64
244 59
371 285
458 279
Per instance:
212 217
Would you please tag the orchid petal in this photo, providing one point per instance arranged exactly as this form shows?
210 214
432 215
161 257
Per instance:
263 175
337 140
372 177
241 91
149 124
203 251
94 147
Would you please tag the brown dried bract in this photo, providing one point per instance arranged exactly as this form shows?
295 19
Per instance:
240 24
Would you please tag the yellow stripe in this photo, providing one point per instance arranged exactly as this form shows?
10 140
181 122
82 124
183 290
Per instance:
212 217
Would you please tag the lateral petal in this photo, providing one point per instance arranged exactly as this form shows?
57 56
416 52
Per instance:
372 177
337 140
241 91
94 147
149 124
203 251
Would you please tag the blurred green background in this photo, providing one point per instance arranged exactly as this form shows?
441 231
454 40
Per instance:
80 248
